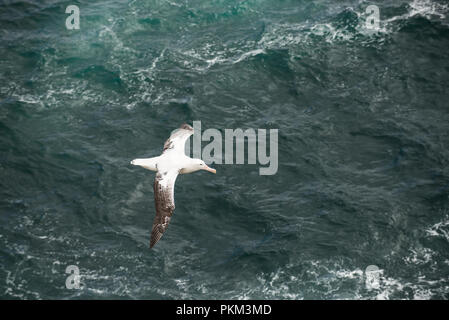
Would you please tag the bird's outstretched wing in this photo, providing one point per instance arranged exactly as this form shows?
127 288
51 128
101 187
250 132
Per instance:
178 139
164 201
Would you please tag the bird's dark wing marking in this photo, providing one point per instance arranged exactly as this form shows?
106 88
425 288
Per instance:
178 139
164 202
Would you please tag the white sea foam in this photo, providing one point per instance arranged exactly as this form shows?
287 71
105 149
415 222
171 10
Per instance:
428 8
440 229
424 8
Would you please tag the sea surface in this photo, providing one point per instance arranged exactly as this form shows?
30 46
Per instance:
363 149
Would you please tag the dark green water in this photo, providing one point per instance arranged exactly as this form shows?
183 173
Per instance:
363 123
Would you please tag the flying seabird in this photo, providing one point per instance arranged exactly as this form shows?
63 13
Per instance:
168 165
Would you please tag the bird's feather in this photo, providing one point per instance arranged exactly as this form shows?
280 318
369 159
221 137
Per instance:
164 201
178 139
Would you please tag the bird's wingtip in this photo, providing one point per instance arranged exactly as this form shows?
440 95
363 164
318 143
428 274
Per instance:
186 126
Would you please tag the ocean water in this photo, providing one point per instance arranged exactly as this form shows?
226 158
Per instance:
363 177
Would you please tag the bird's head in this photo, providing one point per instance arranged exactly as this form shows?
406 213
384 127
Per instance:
201 165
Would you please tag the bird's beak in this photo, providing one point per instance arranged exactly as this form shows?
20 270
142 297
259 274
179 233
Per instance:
210 169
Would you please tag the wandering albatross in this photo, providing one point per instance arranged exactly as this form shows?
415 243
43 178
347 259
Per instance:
168 165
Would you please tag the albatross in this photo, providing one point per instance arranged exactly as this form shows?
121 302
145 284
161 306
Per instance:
168 165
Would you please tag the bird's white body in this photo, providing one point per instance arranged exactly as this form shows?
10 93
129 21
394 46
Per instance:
168 165
169 161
